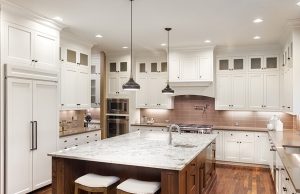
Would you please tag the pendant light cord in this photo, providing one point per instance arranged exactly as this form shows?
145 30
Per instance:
168 57
131 76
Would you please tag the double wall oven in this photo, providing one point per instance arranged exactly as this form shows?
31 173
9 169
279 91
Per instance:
117 116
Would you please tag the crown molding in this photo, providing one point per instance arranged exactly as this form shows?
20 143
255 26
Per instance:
293 23
29 14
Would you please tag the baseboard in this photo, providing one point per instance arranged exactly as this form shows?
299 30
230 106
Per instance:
241 165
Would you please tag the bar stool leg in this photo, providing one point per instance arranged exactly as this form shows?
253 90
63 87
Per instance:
76 189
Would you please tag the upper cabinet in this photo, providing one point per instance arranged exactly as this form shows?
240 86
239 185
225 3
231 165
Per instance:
76 84
229 64
191 67
28 47
95 80
265 63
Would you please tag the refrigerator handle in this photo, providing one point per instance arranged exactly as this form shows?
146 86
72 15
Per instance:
31 136
35 135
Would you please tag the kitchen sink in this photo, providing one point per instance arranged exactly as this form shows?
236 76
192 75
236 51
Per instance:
184 146
291 149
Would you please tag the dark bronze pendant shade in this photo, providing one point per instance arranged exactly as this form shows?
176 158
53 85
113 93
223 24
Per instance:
167 89
131 85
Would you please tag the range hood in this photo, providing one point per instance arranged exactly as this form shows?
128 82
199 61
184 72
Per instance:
207 89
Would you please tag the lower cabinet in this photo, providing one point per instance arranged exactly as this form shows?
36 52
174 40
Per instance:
76 140
147 128
242 146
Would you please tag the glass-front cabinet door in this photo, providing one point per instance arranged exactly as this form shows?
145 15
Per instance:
239 64
123 67
84 59
271 63
223 65
71 56
164 67
256 63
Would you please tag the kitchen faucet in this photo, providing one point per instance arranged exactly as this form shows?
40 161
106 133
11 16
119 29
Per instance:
170 132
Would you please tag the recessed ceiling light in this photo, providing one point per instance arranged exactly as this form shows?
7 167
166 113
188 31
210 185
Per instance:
58 19
125 47
258 20
99 36
207 41
163 44
298 3
256 37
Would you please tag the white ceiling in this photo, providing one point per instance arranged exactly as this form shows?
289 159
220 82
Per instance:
224 22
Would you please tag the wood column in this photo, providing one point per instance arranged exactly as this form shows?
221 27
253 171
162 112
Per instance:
103 100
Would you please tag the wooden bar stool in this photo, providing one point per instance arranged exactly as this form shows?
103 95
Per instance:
132 186
94 183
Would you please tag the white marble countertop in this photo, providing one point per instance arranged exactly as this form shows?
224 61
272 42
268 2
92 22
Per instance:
145 149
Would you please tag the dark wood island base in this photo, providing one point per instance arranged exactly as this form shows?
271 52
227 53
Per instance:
198 177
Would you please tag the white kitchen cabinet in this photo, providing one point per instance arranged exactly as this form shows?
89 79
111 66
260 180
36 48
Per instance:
239 146
95 80
75 55
264 63
31 133
262 148
219 144
27 47
147 128
264 91
231 92
78 139
191 66
75 88
231 64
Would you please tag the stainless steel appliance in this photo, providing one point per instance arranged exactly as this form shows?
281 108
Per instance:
117 125
117 106
196 128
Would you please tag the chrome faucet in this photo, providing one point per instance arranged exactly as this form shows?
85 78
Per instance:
170 132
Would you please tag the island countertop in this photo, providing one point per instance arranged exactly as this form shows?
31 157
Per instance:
144 149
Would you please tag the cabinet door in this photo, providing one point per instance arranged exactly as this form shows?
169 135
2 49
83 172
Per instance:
271 63
231 150
122 80
164 100
142 94
189 68
256 91
272 91
113 85
84 60
69 87
45 113
262 148
18 42
224 65
205 69
18 160
239 63
45 51
256 63
154 92
246 151
239 91
83 90
72 57
224 92
174 70
219 144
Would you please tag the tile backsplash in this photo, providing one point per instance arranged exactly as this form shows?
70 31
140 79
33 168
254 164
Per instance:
201 110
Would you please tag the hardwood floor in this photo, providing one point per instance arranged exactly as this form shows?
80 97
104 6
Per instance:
232 180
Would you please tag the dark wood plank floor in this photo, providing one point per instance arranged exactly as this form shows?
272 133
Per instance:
232 180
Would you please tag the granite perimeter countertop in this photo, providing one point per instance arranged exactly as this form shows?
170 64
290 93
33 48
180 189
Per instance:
230 128
144 149
76 131
290 161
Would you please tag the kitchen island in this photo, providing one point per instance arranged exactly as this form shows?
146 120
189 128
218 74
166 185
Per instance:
186 166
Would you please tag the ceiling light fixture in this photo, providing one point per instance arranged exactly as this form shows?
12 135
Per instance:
256 37
99 36
207 41
131 85
58 19
258 20
298 3
167 89
163 44
125 47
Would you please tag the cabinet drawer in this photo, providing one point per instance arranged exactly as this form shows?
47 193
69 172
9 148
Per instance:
247 136
65 142
230 135
217 132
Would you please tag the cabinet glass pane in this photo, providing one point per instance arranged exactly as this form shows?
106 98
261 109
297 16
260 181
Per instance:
93 69
71 56
142 67
113 67
123 66
93 91
84 59
271 62
164 67
224 64
153 67
238 64
291 50
255 63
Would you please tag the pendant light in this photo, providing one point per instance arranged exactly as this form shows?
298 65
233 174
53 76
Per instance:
131 85
167 89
